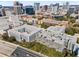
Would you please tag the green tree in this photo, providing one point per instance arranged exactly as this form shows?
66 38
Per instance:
33 16
12 39
61 19
78 40
43 25
70 31
5 36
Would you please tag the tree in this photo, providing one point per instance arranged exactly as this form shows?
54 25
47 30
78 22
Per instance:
70 31
5 36
33 16
43 25
61 18
78 40
75 25
12 39
66 53
72 20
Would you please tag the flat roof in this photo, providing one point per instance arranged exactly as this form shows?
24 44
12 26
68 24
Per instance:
56 28
28 29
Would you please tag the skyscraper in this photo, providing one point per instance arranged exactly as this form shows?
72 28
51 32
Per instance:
36 6
71 10
55 8
18 8
51 6
29 10
66 5
2 11
45 7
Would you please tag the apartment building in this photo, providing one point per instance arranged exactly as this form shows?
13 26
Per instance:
25 32
55 37
10 22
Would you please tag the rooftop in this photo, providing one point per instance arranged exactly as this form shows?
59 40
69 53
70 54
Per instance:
26 29
55 22
56 28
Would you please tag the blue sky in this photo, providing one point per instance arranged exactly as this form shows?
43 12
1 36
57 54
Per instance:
10 3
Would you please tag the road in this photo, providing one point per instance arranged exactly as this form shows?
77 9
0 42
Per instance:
6 49
20 52
12 50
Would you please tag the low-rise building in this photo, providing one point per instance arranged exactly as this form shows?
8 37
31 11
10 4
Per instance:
54 22
55 37
29 19
59 29
15 20
9 22
25 32
77 21
4 25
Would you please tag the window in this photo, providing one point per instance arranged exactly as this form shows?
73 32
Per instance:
41 35
53 40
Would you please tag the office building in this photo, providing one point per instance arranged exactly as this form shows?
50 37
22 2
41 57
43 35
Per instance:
45 7
2 11
66 5
18 8
8 12
51 7
55 8
71 10
36 6
29 10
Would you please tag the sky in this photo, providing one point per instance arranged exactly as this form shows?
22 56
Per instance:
10 3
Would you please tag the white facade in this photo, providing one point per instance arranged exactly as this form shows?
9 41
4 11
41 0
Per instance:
52 40
7 23
77 21
4 24
25 32
55 8
14 19
8 12
66 5
36 6
73 15
54 37
59 29
2 32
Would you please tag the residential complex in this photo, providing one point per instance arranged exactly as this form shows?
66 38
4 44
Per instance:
25 32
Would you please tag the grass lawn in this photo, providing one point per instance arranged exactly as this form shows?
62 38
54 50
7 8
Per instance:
42 49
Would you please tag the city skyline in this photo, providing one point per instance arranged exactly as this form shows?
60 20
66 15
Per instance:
10 3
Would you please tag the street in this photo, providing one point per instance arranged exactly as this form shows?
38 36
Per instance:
20 52
12 50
